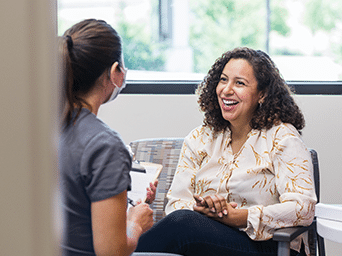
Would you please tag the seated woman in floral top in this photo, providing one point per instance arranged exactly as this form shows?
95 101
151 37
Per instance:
245 172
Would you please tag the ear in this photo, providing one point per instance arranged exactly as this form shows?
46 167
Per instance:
262 97
115 74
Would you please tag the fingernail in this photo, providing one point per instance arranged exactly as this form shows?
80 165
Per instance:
225 212
220 215
212 210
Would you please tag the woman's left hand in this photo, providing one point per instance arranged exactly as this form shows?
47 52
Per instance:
212 206
151 192
216 207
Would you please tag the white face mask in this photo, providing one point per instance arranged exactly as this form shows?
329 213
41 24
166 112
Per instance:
118 89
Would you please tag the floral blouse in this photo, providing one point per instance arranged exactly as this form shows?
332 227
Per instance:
271 176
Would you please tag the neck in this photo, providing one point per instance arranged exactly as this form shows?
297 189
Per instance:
240 132
94 102
239 137
97 96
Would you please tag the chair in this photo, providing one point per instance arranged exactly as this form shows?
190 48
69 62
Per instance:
166 151
285 235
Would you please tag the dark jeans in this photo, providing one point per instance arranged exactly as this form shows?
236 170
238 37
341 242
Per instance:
189 233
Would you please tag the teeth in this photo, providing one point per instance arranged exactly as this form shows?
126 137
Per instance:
229 102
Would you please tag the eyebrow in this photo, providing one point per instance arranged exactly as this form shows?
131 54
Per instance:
242 78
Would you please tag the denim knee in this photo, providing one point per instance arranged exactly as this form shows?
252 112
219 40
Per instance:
184 219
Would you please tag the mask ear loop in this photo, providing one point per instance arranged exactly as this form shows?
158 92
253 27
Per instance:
124 71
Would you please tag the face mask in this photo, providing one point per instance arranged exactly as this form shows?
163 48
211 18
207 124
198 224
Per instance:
118 89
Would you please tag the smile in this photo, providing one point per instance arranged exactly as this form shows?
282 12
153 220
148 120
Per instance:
229 102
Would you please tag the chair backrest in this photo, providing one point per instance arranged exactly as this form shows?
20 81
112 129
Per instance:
164 151
313 237
314 158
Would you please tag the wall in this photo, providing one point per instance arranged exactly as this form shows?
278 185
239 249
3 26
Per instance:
137 116
27 102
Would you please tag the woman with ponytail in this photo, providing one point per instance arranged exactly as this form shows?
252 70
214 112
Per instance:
94 161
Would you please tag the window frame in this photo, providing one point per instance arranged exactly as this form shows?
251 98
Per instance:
188 87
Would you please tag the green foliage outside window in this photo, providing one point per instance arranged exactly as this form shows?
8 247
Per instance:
139 52
325 15
225 24
221 25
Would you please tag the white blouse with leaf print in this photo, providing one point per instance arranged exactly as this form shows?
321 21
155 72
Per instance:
271 176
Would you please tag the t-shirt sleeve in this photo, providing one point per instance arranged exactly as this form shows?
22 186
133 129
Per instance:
105 166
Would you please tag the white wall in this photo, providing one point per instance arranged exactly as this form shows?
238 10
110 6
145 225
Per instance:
324 133
27 102
137 117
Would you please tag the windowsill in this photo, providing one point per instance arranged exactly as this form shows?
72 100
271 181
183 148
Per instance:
157 85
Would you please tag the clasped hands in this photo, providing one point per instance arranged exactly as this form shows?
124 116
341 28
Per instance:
216 207
213 205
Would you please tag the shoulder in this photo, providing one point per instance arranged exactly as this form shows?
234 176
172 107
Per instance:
207 133
283 130
286 138
204 139
200 132
101 139
91 128
202 135
89 133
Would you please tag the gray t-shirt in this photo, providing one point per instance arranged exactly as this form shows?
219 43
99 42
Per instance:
94 165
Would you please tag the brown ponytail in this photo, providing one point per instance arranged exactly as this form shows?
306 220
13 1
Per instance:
88 48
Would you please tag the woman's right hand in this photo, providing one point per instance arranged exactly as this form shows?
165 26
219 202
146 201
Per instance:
139 220
141 216
216 204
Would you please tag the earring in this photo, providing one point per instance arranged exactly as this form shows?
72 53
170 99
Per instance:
260 104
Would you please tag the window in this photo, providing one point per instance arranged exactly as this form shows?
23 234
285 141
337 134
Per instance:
179 40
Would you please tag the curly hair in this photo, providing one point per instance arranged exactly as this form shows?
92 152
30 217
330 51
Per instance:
278 105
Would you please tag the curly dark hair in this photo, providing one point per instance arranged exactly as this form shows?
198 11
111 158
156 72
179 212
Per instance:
278 105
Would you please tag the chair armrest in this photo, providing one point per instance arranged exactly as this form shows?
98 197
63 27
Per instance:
288 234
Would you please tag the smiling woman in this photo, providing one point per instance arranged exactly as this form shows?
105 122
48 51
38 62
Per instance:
245 68
242 174
238 94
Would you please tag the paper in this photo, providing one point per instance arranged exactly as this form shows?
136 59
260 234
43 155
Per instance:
141 181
